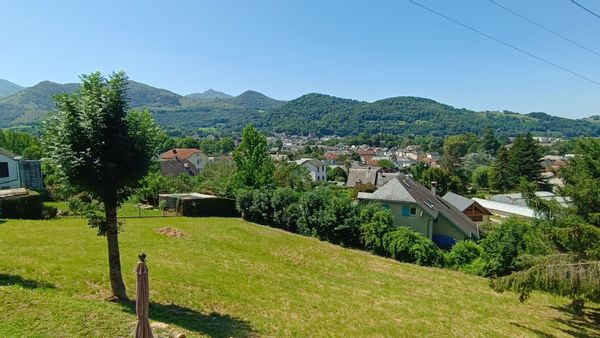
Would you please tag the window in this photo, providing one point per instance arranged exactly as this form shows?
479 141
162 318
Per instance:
405 211
409 211
4 169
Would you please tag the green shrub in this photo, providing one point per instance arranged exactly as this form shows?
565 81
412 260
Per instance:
82 204
255 205
501 247
410 246
285 211
28 206
462 255
330 216
375 223
49 212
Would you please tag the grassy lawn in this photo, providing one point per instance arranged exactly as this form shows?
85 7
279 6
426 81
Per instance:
227 277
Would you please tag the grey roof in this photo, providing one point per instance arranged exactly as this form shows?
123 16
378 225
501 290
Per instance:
405 189
383 178
362 176
315 162
506 208
8 154
177 167
518 199
461 203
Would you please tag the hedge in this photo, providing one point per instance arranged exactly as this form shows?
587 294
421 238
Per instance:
28 206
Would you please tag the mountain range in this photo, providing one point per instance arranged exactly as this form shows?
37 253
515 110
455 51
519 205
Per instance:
8 88
311 113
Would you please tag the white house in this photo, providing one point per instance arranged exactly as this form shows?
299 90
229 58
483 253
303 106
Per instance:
316 168
15 172
188 156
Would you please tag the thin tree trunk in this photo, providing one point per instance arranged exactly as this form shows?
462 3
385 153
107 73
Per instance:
114 257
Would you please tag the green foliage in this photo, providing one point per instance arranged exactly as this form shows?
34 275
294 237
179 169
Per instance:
49 212
292 175
582 180
375 223
20 143
481 177
455 147
217 178
445 180
386 164
490 143
463 257
151 185
284 203
97 146
501 178
28 206
337 174
409 246
329 216
255 205
525 159
254 166
502 247
417 170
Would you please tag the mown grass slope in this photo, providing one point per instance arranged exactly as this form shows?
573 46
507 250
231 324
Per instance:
227 277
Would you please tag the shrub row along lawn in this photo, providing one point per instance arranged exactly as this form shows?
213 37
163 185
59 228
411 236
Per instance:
227 277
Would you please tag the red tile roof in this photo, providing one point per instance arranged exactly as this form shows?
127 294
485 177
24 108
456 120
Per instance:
181 153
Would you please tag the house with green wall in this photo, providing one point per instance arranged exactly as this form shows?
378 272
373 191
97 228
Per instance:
421 209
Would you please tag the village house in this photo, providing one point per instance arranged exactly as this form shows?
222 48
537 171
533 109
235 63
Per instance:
316 168
476 212
362 176
16 172
179 161
419 208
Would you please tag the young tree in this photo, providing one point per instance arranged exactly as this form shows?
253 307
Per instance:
254 166
100 148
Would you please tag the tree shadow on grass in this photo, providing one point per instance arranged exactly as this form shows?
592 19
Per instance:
6 279
582 325
213 324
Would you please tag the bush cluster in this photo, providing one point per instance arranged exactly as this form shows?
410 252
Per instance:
332 216
28 206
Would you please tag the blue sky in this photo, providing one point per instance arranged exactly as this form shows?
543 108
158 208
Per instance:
365 50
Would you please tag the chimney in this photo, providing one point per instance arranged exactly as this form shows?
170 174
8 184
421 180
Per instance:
433 187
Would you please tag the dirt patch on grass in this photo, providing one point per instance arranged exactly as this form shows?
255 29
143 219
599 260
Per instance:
171 232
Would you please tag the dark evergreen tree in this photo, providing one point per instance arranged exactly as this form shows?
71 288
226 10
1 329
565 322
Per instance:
500 174
490 143
525 159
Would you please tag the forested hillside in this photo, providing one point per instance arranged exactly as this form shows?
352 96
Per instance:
311 113
8 88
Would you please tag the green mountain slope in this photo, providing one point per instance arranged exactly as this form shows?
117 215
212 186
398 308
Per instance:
310 113
328 115
8 88
208 95
229 278
256 100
